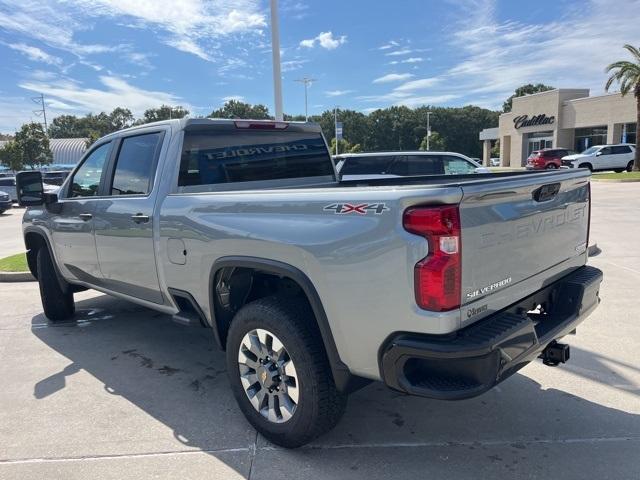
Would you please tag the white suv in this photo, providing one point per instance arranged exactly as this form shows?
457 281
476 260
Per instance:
603 157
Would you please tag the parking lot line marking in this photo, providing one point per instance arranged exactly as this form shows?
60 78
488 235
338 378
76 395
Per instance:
251 449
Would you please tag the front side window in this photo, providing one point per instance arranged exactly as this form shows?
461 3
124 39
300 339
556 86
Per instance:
211 157
457 166
86 180
606 151
135 164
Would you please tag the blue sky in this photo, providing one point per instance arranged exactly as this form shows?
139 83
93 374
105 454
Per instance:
94 55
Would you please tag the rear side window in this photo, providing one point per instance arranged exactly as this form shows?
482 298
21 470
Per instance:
211 157
457 166
135 164
7 182
369 165
621 150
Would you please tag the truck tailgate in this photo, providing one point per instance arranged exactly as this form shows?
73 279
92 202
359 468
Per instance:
514 230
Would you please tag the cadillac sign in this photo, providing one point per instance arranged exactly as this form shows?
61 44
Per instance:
525 121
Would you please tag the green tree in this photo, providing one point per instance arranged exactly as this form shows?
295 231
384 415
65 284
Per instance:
344 146
237 109
627 75
70 126
120 118
34 145
164 112
524 90
11 156
436 142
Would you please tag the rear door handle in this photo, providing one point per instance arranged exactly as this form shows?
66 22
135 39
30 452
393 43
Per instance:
86 216
140 218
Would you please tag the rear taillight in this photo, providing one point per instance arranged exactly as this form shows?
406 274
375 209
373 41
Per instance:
437 277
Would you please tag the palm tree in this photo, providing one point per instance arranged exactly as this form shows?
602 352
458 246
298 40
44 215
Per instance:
627 75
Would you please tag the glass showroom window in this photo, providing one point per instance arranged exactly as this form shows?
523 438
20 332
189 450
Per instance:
628 133
588 137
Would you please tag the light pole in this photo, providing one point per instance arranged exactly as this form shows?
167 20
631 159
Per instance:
335 120
275 51
428 129
307 81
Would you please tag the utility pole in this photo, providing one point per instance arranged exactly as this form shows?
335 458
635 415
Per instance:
42 111
275 51
428 129
335 119
307 81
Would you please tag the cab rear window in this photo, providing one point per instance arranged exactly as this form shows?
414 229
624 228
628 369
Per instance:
211 157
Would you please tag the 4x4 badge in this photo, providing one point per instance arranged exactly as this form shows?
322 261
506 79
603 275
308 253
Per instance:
360 209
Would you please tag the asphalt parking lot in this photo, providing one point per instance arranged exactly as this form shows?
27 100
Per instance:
125 392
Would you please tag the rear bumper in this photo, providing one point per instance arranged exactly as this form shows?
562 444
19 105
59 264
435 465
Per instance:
472 360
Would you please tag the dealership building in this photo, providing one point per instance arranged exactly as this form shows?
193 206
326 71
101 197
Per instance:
562 118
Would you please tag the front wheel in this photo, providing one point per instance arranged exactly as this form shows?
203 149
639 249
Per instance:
279 371
58 305
551 166
586 165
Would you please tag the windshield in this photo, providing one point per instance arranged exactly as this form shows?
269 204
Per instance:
590 150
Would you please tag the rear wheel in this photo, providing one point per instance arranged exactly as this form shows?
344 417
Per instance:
630 166
279 371
619 170
58 305
551 166
586 165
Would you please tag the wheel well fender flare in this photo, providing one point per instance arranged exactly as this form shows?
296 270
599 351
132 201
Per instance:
31 235
345 381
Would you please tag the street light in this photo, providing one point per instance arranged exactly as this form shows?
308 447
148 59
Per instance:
307 81
275 51
428 129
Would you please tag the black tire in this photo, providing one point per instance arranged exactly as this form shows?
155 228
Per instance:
58 305
551 166
586 165
320 405
619 170
630 166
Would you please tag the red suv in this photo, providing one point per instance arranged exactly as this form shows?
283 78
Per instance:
546 159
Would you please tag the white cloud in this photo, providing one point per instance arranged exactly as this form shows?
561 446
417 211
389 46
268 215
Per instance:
325 40
500 55
35 54
399 53
291 65
420 84
337 93
389 45
393 77
192 26
413 60
237 98
116 93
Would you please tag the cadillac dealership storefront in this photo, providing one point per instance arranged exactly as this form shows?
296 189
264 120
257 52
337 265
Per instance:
562 118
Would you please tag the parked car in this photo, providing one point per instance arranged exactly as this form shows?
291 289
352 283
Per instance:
546 159
494 162
8 185
55 177
5 202
359 166
603 157
440 287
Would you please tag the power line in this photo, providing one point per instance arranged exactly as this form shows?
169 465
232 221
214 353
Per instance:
42 112
307 81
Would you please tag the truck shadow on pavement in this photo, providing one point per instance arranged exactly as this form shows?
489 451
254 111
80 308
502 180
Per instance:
177 375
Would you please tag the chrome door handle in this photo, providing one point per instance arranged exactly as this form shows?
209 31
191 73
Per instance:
86 216
140 218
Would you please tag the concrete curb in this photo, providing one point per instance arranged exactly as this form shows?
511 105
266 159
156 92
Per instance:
616 180
16 277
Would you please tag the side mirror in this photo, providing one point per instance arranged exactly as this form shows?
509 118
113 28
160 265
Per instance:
29 189
598 153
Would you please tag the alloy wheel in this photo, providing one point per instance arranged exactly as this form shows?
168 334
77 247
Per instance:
268 375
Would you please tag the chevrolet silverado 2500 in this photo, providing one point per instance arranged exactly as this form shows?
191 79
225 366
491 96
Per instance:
439 286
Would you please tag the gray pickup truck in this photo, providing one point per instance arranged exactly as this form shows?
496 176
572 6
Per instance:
439 286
